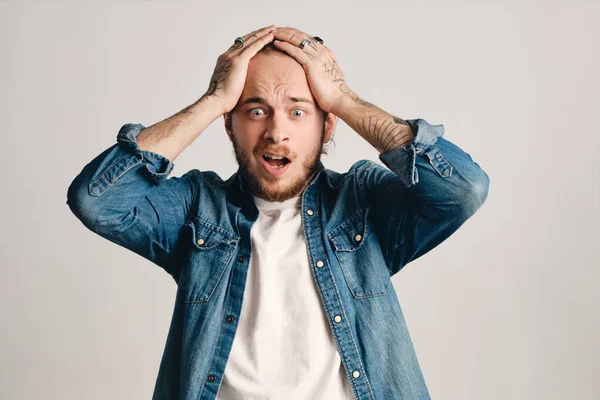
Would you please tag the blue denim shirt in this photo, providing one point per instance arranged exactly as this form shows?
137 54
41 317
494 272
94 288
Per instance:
361 228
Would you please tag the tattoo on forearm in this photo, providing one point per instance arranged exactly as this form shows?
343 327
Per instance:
218 77
383 133
334 72
185 110
344 89
399 120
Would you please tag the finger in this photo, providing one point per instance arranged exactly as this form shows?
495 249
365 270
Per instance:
299 35
291 36
259 32
251 50
252 36
295 37
294 51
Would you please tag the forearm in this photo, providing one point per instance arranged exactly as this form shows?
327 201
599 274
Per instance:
172 135
381 129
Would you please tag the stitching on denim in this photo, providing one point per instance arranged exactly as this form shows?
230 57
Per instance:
345 222
348 277
227 294
432 156
365 296
214 227
333 328
155 156
231 242
110 184
357 354
326 305
214 287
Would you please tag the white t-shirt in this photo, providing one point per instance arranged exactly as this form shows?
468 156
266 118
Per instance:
283 347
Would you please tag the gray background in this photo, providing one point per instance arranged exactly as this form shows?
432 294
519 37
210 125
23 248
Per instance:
506 308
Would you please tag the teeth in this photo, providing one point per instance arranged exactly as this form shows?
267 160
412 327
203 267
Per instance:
274 157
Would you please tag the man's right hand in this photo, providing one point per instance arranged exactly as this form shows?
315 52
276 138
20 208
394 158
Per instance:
227 82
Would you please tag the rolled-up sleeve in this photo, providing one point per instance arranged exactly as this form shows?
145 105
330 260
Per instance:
157 167
123 172
428 190
125 195
403 160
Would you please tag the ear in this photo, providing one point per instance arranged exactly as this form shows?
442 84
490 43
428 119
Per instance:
227 120
330 122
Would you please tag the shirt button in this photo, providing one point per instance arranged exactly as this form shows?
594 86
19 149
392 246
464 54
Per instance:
211 378
309 212
337 318
356 374
229 318
200 242
241 259
320 264
357 238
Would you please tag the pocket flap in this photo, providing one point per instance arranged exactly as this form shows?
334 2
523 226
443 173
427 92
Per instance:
351 234
207 236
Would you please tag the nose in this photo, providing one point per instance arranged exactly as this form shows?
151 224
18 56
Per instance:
277 130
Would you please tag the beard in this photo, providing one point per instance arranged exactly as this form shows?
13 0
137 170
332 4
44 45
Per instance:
265 186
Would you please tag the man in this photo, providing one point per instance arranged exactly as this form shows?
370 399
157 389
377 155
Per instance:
284 269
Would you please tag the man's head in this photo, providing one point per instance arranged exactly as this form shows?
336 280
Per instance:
277 115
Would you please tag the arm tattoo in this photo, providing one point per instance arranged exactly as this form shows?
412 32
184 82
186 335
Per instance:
399 120
334 72
384 133
218 77
344 89
337 75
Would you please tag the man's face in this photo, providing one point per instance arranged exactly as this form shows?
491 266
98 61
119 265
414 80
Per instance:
277 115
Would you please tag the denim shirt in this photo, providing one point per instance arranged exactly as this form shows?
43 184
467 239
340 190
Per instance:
362 227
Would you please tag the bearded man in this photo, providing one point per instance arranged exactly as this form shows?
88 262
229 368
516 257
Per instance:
283 269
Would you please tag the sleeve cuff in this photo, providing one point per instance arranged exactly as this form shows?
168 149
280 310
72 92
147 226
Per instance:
157 166
402 160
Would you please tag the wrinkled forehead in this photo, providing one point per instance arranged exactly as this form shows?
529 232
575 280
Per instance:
275 76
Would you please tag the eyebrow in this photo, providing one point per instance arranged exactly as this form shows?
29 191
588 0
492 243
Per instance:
292 99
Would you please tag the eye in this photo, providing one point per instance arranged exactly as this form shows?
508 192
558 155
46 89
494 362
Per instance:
296 111
252 112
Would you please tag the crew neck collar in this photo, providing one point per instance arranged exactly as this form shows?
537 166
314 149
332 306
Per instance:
294 202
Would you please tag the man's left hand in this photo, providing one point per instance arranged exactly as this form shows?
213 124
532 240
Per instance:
325 78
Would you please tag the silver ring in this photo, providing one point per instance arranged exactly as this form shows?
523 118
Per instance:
303 43
239 39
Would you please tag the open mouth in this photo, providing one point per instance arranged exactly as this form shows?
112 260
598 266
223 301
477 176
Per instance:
276 161
275 165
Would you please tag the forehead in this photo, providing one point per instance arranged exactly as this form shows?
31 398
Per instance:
275 77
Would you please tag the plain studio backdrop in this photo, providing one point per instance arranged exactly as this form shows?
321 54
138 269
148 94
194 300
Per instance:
506 308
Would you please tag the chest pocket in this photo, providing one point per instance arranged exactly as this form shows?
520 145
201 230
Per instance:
211 249
358 251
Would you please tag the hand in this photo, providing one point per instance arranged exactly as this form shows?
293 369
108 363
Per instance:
227 82
325 78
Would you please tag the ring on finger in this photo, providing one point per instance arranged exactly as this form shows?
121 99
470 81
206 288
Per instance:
303 43
238 43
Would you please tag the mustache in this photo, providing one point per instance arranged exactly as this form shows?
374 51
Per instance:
284 151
